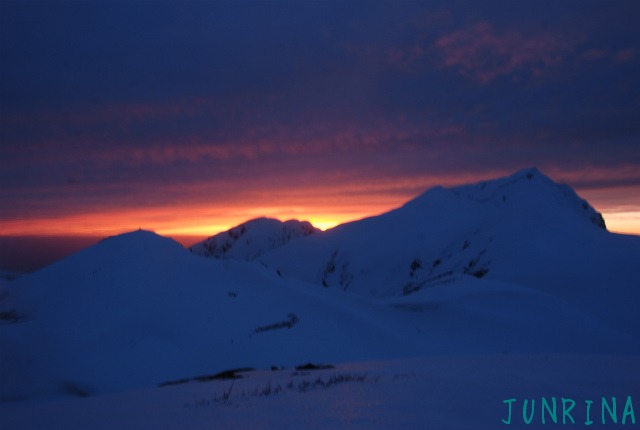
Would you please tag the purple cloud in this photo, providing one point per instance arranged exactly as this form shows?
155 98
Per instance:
481 53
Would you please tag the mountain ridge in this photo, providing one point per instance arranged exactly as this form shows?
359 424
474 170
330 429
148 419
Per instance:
499 191
523 229
252 238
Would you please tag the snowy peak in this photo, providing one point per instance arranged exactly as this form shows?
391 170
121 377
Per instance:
143 239
523 229
107 265
528 189
130 249
253 238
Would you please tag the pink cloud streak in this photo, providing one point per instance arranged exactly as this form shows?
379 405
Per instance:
481 54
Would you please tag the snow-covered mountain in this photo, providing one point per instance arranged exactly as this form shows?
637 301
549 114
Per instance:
517 265
252 238
524 229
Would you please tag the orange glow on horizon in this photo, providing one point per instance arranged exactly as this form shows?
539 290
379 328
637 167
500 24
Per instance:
190 221
619 207
324 209
623 222
204 223
324 206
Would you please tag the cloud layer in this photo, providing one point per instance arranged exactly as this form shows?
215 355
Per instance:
186 117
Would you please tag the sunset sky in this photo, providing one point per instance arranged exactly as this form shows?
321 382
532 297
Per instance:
188 118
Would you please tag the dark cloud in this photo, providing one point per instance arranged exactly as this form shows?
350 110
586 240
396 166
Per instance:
134 105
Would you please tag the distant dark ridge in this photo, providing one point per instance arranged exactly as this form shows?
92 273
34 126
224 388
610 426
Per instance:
25 254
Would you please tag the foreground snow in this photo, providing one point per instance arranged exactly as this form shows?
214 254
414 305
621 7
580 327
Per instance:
138 309
443 392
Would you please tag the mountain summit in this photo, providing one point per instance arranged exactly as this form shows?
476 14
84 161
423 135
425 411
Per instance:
252 238
528 188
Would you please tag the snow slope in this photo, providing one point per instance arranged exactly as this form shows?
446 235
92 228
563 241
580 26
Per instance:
252 238
524 229
448 392
138 309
